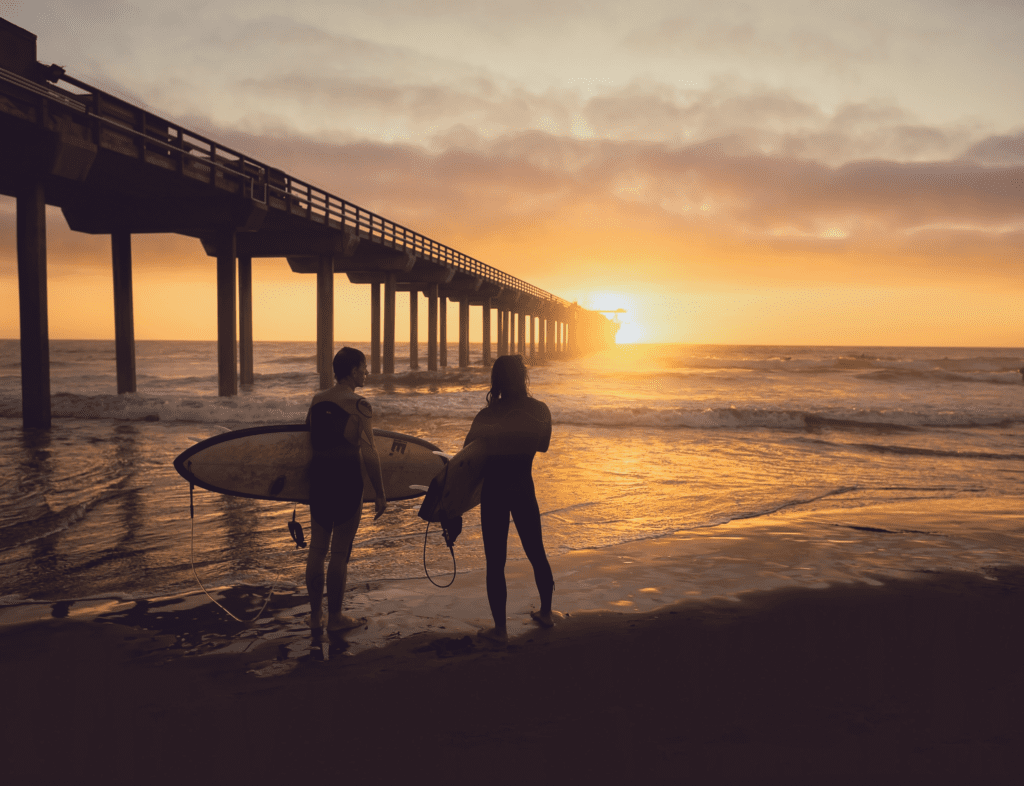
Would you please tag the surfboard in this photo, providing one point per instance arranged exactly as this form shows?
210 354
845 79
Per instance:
456 489
271 462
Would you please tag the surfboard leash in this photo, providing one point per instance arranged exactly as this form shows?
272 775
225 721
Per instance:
192 562
450 543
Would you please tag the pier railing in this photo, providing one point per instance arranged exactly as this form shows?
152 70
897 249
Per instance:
130 130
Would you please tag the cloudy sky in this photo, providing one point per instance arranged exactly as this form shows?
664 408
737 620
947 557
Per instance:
771 171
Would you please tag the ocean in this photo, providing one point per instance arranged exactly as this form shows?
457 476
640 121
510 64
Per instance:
648 441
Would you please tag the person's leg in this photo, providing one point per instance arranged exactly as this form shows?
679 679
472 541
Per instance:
526 514
319 541
494 517
337 573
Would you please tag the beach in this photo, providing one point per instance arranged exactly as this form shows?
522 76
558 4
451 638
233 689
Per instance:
771 562
890 672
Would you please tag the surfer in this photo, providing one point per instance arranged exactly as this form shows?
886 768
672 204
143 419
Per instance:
341 431
514 427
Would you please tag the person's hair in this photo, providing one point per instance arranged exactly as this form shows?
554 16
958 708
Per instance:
346 360
508 379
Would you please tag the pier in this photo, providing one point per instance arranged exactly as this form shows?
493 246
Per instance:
116 169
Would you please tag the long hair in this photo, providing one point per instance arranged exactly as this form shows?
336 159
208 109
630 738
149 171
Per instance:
508 379
347 359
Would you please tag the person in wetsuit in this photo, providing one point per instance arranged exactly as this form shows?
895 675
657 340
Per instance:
341 433
515 427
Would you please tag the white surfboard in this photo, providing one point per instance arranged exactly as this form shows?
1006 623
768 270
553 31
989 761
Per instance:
271 462
457 488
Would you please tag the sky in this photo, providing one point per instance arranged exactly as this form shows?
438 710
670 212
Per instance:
764 172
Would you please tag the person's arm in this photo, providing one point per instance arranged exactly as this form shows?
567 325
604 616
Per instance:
371 461
543 428
480 428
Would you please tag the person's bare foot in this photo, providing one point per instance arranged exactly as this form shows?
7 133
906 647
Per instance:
343 622
494 636
316 620
545 619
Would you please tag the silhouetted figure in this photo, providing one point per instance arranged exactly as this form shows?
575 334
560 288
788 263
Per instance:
515 427
341 432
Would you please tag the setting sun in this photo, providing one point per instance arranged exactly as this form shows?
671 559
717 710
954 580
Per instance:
623 310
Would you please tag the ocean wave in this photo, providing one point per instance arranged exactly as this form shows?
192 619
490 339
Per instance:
938 375
257 408
906 450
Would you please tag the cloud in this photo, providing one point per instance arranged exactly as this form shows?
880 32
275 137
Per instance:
1000 151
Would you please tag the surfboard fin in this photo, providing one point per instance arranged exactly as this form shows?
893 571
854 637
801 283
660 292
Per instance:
295 530
451 529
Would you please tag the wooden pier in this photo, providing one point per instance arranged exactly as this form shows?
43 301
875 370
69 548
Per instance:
115 169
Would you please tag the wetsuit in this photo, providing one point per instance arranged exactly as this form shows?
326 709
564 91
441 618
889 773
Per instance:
340 424
515 431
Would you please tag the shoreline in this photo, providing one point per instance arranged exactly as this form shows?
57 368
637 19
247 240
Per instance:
899 680
817 548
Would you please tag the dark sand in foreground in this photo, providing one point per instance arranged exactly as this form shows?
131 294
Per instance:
906 682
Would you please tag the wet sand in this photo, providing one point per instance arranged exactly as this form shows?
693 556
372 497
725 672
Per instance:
739 656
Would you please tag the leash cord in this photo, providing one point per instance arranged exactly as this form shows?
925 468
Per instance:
454 566
192 560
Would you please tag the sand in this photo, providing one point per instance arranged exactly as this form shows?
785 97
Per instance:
743 655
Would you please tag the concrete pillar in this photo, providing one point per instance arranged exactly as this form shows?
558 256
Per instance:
35 329
227 359
522 335
432 327
463 333
487 332
325 320
442 305
414 330
501 331
374 328
389 324
542 341
124 312
533 336
246 376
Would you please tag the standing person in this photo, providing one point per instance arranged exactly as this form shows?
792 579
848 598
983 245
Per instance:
514 427
341 432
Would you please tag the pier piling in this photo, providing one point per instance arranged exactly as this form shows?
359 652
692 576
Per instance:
227 362
245 366
35 337
124 313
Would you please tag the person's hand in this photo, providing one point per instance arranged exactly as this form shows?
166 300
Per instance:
381 505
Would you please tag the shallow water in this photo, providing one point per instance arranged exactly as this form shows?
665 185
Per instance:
648 441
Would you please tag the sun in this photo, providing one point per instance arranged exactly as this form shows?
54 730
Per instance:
622 309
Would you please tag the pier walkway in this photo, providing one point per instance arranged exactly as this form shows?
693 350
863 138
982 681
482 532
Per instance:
115 168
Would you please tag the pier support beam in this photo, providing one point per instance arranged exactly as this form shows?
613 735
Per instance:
374 328
432 328
227 362
389 324
124 312
522 335
463 333
487 333
442 306
35 330
325 320
414 330
246 376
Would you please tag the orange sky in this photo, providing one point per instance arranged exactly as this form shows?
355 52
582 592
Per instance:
672 164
